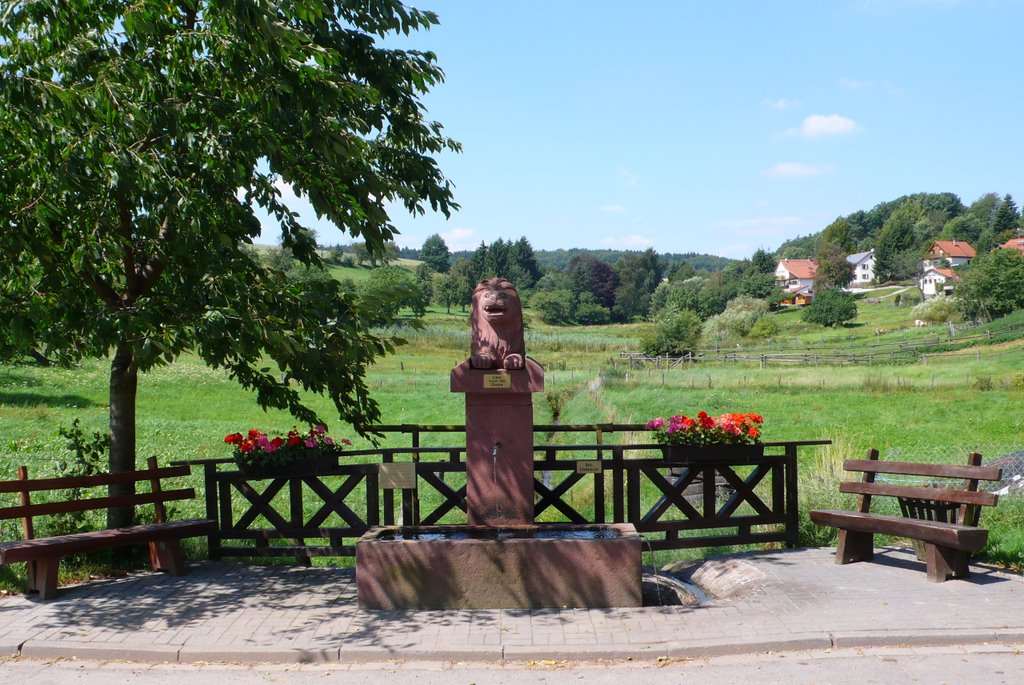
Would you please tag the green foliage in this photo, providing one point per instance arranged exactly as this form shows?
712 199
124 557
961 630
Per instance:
676 332
833 270
765 328
838 233
391 288
994 285
639 274
938 310
831 308
738 319
435 254
136 140
895 255
505 259
1006 216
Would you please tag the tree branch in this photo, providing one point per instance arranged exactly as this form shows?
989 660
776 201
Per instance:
149 274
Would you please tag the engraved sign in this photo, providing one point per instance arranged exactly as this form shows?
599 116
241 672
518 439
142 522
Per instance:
589 466
497 380
397 476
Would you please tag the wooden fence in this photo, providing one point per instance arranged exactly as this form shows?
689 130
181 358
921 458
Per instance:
674 505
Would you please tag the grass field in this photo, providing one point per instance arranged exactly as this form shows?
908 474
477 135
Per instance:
939 410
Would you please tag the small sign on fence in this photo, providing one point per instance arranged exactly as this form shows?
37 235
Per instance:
589 466
398 476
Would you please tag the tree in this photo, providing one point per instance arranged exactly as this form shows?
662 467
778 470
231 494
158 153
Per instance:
435 254
675 333
1006 216
135 139
763 262
838 233
639 274
591 275
833 270
831 308
895 240
390 288
464 281
994 284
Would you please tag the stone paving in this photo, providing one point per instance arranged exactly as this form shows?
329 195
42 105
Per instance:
767 601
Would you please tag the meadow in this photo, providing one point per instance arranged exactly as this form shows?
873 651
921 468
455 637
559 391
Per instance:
937 410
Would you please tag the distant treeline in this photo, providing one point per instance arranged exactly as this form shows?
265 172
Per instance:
558 260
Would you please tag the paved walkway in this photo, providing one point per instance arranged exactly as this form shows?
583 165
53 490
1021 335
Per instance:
768 601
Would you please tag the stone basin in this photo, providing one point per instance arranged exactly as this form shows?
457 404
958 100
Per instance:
508 567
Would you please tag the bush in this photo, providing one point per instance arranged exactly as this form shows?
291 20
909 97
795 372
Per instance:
831 308
765 328
740 316
938 310
675 333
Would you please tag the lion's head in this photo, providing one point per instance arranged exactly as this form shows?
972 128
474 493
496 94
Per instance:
497 326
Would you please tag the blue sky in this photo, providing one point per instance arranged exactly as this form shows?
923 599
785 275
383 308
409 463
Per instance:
713 127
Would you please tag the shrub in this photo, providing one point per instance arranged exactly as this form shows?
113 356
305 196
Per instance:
740 316
938 310
831 308
675 333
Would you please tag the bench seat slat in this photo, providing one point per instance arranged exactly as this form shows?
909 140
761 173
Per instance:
65 482
920 492
95 503
921 469
61 545
966 538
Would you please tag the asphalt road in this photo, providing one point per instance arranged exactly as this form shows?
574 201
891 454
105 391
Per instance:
990 665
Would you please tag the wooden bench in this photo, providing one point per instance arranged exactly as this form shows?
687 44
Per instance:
43 555
943 519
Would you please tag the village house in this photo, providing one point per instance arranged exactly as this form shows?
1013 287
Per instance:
947 253
863 264
1014 244
796 278
937 280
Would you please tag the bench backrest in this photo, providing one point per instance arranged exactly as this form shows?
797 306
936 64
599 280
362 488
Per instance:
915 500
156 496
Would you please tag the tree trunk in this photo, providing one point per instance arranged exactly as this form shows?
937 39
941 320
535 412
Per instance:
124 376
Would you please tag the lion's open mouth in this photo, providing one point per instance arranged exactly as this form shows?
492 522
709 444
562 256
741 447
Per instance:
495 308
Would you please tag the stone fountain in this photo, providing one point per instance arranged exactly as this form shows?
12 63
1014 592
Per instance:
501 559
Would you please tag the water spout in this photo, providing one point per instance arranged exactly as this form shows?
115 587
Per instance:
494 461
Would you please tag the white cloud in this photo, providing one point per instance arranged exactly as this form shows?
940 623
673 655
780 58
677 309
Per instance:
612 209
853 84
797 170
627 242
780 103
459 239
818 125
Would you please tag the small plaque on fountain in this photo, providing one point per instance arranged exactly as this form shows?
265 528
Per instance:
497 380
398 476
589 466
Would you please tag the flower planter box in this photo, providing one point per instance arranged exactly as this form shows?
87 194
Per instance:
733 454
323 462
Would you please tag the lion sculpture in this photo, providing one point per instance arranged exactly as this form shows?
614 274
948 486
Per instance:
496 317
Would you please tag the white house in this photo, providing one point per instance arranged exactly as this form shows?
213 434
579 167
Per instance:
863 264
937 281
796 278
947 253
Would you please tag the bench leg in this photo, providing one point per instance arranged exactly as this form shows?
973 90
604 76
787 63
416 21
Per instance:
42 576
854 546
944 563
165 555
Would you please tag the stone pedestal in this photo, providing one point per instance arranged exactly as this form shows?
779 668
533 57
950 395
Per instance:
499 442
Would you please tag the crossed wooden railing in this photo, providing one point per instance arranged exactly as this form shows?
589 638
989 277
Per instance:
322 511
